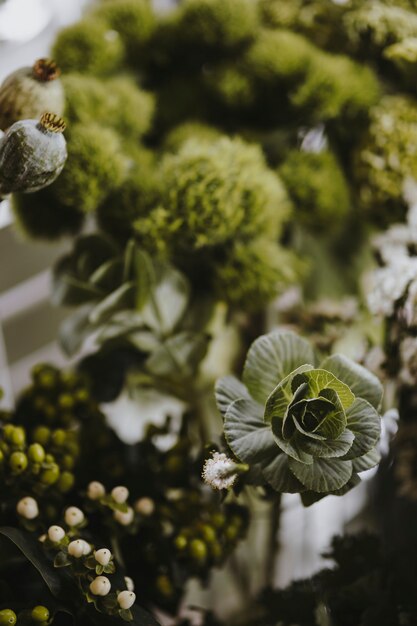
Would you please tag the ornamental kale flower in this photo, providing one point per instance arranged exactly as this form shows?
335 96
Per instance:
301 428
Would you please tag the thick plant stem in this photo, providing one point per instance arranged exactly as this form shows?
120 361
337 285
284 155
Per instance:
273 542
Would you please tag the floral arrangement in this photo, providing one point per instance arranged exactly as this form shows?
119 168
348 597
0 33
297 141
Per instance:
237 182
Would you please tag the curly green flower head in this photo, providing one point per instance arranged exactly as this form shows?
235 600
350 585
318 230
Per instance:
89 46
302 428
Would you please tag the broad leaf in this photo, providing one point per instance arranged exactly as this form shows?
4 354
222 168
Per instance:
167 301
108 276
179 355
246 433
32 550
361 381
323 475
227 390
271 358
310 497
294 447
367 461
279 399
121 298
320 379
330 448
365 423
278 475
75 329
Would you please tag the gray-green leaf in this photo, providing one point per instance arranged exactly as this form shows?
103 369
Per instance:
361 381
323 475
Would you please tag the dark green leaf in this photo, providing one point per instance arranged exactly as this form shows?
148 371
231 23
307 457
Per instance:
271 358
323 475
121 298
361 381
365 423
246 433
227 390
75 329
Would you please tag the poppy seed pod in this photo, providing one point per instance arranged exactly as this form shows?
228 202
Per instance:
32 154
30 91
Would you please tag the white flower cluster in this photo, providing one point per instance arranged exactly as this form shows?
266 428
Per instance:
397 249
219 472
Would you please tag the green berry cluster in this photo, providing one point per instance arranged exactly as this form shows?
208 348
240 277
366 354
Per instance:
208 541
27 464
39 616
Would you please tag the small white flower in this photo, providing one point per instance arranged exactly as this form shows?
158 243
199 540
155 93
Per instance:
77 548
145 506
56 533
124 518
219 472
120 494
74 516
28 508
100 586
389 284
126 599
102 556
130 585
95 490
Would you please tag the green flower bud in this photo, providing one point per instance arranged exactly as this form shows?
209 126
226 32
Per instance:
36 453
50 476
30 91
18 462
41 435
40 614
198 551
7 617
32 154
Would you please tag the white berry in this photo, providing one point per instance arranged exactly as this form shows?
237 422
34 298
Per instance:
76 548
102 556
56 533
120 494
124 518
130 585
73 516
95 490
28 508
126 599
100 586
145 506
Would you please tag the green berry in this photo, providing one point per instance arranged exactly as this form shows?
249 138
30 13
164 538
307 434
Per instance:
8 431
40 614
198 551
50 476
65 401
67 462
1 456
59 437
66 482
41 435
164 586
180 542
18 462
208 533
36 453
218 520
7 616
18 436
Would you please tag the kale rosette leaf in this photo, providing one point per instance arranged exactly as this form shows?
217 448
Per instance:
301 428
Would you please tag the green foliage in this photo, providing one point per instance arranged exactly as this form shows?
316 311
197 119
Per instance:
303 429
385 157
88 46
96 166
115 102
40 216
318 189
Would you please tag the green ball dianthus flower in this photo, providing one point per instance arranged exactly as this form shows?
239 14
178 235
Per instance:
115 102
88 46
134 20
318 188
199 131
96 166
386 157
215 191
